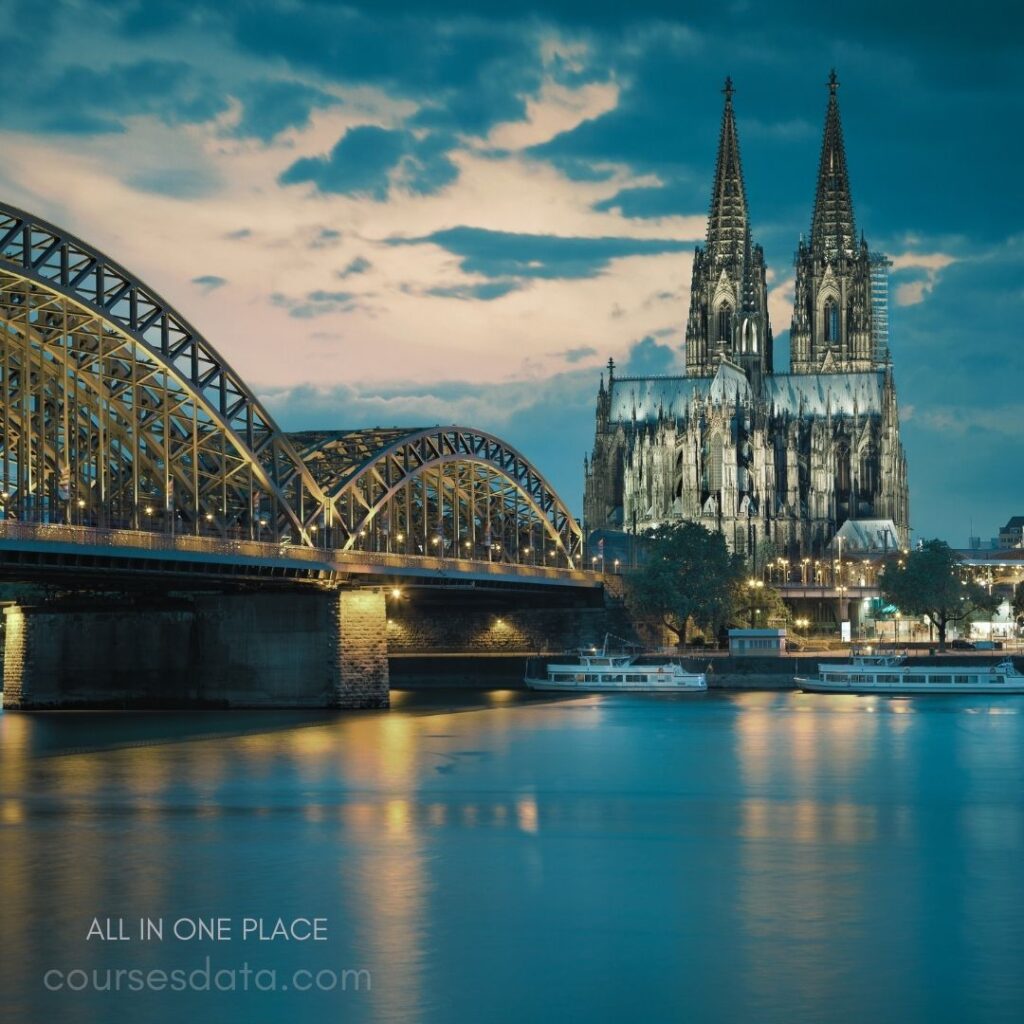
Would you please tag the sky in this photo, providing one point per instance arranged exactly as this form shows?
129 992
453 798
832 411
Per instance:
408 213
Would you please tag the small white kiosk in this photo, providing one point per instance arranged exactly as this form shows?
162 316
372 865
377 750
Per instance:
764 643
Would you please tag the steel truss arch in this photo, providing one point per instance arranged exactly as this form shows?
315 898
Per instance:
115 411
57 266
484 489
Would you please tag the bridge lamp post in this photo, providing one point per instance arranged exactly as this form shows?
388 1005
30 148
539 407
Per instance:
804 573
754 585
526 552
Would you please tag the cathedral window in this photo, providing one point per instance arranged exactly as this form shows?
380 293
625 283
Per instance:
843 472
749 335
831 320
725 322
715 463
781 471
868 471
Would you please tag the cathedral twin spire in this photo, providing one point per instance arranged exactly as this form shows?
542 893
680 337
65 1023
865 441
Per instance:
832 227
728 226
728 298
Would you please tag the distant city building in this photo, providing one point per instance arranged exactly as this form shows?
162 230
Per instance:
775 461
1012 534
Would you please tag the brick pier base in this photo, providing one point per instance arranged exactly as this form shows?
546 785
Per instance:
308 649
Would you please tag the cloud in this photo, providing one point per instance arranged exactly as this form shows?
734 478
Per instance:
209 282
678 196
270 107
316 303
647 358
526 413
1003 420
468 72
910 293
359 265
367 160
505 254
178 182
576 355
484 291
556 109
915 274
88 100
325 238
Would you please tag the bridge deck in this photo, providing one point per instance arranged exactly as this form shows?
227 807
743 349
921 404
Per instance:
42 546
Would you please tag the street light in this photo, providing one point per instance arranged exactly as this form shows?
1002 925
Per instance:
754 585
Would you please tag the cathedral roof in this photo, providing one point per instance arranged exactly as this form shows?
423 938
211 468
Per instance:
798 394
820 393
865 535
832 227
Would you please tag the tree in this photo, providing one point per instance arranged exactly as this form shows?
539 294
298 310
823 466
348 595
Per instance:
686 575
1018 602
755 603
932 581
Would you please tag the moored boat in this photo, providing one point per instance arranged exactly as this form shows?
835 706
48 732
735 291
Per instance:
595 671
868 672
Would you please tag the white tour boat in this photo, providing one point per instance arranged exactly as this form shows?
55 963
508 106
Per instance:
868 672
601 671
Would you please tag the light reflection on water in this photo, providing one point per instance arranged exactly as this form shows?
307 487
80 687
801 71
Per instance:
756 856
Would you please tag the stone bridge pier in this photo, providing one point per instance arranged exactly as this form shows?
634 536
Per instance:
289 649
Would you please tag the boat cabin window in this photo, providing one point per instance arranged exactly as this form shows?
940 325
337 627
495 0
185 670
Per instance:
913 679
964 679
940 679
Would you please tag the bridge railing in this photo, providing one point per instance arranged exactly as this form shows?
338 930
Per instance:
336 560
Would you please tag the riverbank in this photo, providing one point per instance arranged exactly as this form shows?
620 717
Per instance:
724 672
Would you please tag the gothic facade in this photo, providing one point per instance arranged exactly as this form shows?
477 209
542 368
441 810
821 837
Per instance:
775 461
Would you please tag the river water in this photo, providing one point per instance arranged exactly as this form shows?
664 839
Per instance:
761 857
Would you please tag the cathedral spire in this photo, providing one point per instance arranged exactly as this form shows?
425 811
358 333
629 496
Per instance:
727 218
832 228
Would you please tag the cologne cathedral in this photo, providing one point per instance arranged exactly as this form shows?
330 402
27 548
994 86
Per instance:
777 462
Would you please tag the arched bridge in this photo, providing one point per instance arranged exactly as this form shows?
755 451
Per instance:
128 442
